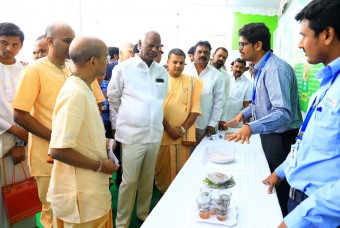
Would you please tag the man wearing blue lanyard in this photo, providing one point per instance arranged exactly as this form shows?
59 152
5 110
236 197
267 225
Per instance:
275 104
314 171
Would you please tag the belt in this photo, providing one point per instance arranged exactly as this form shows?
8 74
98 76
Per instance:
297 195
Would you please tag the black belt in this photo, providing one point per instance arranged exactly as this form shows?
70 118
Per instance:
297 195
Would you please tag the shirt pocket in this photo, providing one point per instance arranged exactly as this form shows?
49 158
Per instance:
160 90
327 122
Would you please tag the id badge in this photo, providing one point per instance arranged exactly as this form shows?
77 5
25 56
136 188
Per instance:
253 111
292 155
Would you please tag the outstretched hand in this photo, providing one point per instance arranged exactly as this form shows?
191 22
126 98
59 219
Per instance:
242 135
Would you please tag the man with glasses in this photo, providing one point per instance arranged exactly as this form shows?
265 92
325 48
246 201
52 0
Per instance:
212 96
33 104
139 86
275 102
79 188
40 47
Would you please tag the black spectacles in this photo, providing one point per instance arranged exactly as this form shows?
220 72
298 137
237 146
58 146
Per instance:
242 44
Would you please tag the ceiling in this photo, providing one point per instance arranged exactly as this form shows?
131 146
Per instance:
263 7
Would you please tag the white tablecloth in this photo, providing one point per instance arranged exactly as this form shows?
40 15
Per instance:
255 208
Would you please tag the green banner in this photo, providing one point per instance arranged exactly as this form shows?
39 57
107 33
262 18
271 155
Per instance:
308 84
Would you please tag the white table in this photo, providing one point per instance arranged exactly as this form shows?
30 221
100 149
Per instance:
255 208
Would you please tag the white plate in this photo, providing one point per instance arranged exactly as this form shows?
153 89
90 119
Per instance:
220 154
220 157
230 221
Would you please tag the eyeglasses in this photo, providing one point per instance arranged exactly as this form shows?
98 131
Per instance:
242 44
107 58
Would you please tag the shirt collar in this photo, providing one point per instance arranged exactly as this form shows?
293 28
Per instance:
328 72
257 67
139 61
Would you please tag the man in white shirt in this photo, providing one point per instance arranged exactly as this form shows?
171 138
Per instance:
12 137
139 86
219 58
212 97
240 91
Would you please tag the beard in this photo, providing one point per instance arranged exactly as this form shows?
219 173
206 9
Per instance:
218 64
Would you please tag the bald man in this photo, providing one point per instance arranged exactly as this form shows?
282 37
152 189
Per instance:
139 87
78 144
37 90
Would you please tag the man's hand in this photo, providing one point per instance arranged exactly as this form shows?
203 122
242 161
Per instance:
210 131
109 166
175 133
273 179
243 134
23 134
234 122
18 154
222 126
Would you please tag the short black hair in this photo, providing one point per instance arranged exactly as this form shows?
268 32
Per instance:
176 51
238 60
113 51
204 43
135 49
222 48
321 14
255 32
10 29
191 50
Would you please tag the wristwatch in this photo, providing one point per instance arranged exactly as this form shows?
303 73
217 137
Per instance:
19 142
183 129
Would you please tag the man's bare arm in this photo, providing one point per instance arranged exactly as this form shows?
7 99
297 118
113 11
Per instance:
28 122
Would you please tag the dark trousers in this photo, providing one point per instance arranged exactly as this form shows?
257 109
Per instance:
292 204
119 172
276 147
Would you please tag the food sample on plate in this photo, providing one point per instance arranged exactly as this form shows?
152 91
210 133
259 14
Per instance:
218 178
228 184
220 154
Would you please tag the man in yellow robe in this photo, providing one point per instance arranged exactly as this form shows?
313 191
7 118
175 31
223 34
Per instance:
181 108
38 86
79 187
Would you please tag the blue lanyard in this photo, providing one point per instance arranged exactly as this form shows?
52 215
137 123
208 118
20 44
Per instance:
258 76
312 109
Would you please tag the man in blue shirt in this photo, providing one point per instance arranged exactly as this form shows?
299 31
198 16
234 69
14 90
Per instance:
314 172
275 103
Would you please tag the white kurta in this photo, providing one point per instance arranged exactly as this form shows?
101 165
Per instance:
138 92
8 80
212 96
240 91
